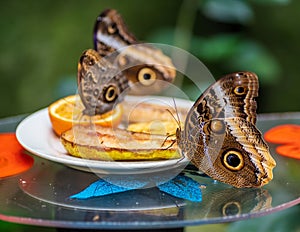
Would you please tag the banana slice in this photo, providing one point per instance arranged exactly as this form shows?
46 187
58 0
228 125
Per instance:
106 143
145 112
167 128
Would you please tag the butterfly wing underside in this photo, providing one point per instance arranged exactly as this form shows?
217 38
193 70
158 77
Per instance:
147 68
100 84
220 136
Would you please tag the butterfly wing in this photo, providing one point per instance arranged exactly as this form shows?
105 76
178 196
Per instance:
147 69
111 33
231 96
220 136
100 84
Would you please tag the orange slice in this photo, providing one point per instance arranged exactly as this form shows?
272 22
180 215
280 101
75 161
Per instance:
66 112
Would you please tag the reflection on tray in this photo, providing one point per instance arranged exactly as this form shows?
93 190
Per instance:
233 202
219 200
56 187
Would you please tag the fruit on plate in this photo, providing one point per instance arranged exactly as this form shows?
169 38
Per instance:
107 143
155 127
67 111
146 112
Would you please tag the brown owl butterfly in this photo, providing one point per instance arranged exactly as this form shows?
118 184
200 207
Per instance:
220 137
100 84
147 69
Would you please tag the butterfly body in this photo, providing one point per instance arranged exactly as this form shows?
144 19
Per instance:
147 69
220 136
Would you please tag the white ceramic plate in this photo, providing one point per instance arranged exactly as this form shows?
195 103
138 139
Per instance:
35 134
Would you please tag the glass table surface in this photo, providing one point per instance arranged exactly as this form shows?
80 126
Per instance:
40 196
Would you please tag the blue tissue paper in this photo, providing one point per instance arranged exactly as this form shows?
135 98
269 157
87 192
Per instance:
99 188
181 186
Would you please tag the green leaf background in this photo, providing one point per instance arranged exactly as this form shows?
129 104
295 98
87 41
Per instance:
41 42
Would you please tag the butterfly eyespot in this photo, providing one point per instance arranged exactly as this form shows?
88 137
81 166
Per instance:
110 94
112 28
146 76
231 209
217 126
233 160
239 90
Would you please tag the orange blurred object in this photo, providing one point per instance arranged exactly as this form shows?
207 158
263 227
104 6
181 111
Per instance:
13 160
288 136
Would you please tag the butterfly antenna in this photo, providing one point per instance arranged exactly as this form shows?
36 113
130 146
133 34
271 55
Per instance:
177 120
168 136
177 114
165 140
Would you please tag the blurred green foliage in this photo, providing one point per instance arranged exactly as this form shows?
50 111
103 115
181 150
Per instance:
41 42
11 227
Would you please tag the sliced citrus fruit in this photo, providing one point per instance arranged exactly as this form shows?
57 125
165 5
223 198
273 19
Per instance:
66 112
107 143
